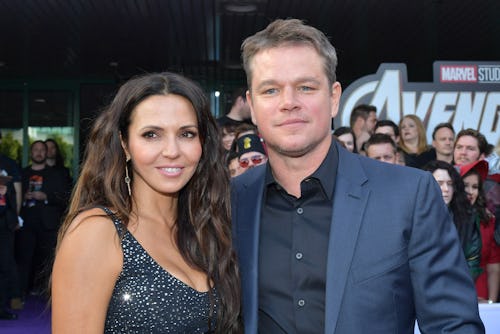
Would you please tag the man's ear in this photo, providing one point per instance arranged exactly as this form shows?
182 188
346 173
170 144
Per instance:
250 104
335 98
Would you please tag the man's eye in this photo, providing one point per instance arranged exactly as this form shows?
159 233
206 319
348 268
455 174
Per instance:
305 88
270 91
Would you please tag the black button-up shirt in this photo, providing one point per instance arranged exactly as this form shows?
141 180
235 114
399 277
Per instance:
294 235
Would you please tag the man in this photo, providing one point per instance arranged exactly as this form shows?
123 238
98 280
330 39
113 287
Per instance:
9 176
388 127
381 147
329 241
45 198
11 222
470 146
443 137
251 152
11 168
363 119
239 113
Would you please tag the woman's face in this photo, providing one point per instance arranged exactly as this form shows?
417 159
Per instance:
471 183
408 130
445 183
163 144
348 141
227 139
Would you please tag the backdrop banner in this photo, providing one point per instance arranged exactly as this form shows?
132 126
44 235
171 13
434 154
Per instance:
466 94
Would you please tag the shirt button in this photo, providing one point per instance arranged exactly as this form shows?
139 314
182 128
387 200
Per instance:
300 211
298 256
301 302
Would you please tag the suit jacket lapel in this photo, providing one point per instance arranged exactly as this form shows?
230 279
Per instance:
248 247
349 203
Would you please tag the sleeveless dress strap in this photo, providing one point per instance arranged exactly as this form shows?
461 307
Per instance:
116 221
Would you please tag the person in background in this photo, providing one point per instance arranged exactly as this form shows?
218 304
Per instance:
146 245
382 147
388 127
45 198
413 142
8 224
56 160
443 137
227 134
346 136
455 197
239 112
362 121
233 164
251 152
488 283
471 146
11 168
492 189
330 241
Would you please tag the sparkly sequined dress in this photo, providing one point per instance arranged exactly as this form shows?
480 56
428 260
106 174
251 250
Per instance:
147 299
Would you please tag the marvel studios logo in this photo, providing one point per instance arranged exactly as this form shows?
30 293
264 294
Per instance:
469 73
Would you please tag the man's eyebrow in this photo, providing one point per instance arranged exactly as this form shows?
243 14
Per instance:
297 81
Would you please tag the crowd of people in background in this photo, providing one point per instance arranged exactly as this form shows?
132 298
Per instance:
34 201
464 165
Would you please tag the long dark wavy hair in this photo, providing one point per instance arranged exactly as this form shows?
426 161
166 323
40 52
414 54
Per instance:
480 206
459 204
203 220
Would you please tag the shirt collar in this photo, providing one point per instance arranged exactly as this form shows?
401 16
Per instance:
326 172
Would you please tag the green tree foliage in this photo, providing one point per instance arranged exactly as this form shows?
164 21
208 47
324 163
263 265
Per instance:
10 147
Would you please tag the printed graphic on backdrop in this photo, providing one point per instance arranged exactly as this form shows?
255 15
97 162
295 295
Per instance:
466 94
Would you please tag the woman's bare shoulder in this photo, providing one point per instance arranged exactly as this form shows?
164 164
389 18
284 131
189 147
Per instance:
92 226
94 219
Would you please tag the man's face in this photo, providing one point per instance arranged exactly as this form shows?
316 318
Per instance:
291 100
466 150
443 141
387 130
38 153
244 109
370 122
382 152
234 168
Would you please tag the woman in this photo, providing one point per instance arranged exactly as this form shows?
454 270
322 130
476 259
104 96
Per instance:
346 136
455 198
146 245
488 283
413 142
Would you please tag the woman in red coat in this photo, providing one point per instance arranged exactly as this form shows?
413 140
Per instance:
488 283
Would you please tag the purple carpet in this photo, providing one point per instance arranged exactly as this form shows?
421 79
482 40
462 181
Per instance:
33 319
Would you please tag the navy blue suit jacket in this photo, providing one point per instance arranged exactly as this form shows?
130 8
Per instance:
393 254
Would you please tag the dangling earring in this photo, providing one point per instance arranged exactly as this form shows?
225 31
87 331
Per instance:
127 178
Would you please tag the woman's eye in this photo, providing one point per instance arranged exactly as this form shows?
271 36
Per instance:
149 134
189 134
